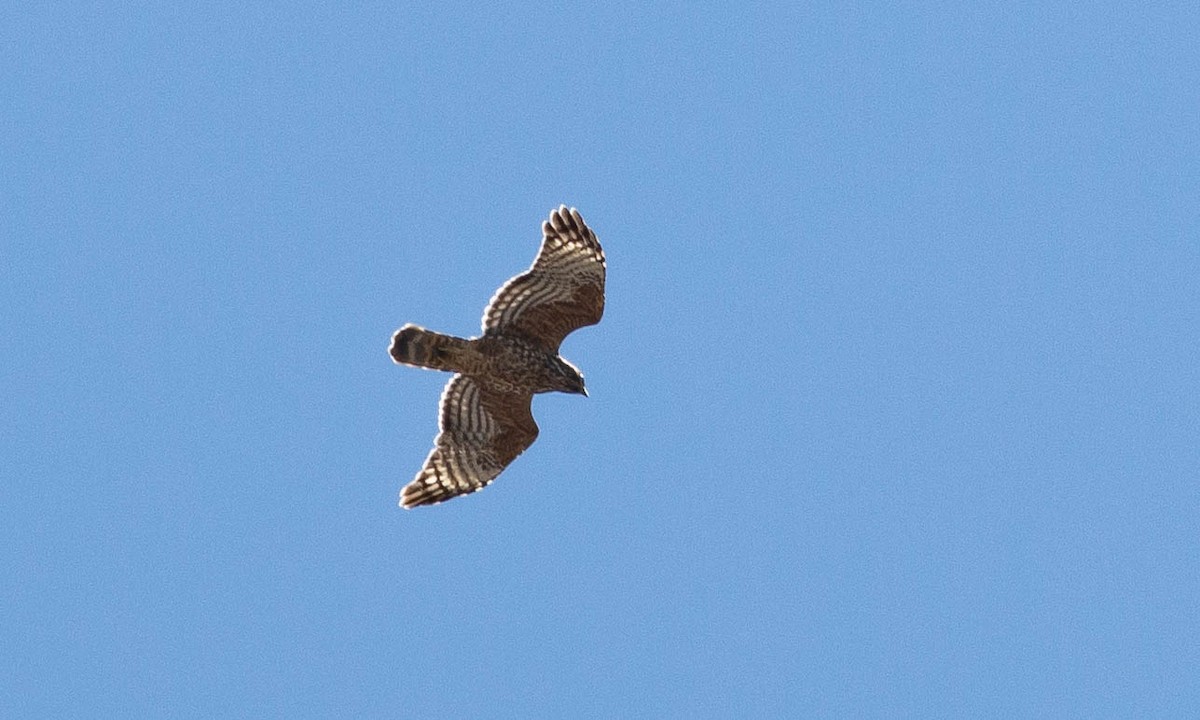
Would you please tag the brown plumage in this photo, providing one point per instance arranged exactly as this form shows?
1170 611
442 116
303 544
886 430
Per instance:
485 418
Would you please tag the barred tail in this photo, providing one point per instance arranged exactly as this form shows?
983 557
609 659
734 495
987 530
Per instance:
412 345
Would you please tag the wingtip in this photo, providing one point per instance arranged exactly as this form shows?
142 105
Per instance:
565 219
417 493
411 497
564 211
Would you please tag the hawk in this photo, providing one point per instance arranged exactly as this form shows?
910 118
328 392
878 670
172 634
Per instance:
486 419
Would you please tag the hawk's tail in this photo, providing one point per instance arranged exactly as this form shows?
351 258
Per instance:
412 345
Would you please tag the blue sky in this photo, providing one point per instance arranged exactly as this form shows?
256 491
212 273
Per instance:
894 408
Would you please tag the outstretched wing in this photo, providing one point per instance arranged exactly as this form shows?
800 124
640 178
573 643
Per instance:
482 431
563 290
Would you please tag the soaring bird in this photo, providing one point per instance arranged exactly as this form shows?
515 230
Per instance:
486 419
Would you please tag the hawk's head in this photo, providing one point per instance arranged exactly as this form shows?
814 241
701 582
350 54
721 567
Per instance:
569 377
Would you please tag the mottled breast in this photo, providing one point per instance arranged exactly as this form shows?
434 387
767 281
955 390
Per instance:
517 365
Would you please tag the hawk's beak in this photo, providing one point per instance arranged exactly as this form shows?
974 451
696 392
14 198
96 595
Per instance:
584 391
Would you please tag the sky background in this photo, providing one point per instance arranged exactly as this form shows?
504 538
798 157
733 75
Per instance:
894 409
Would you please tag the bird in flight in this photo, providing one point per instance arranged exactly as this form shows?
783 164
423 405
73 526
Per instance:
486 420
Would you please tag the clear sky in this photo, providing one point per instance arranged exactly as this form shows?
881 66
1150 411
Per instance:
894 410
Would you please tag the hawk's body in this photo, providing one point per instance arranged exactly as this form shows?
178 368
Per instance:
485 415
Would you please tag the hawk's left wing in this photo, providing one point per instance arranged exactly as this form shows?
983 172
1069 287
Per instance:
482 431
563 290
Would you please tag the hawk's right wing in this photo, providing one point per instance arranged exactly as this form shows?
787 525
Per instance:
563 290
482 431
